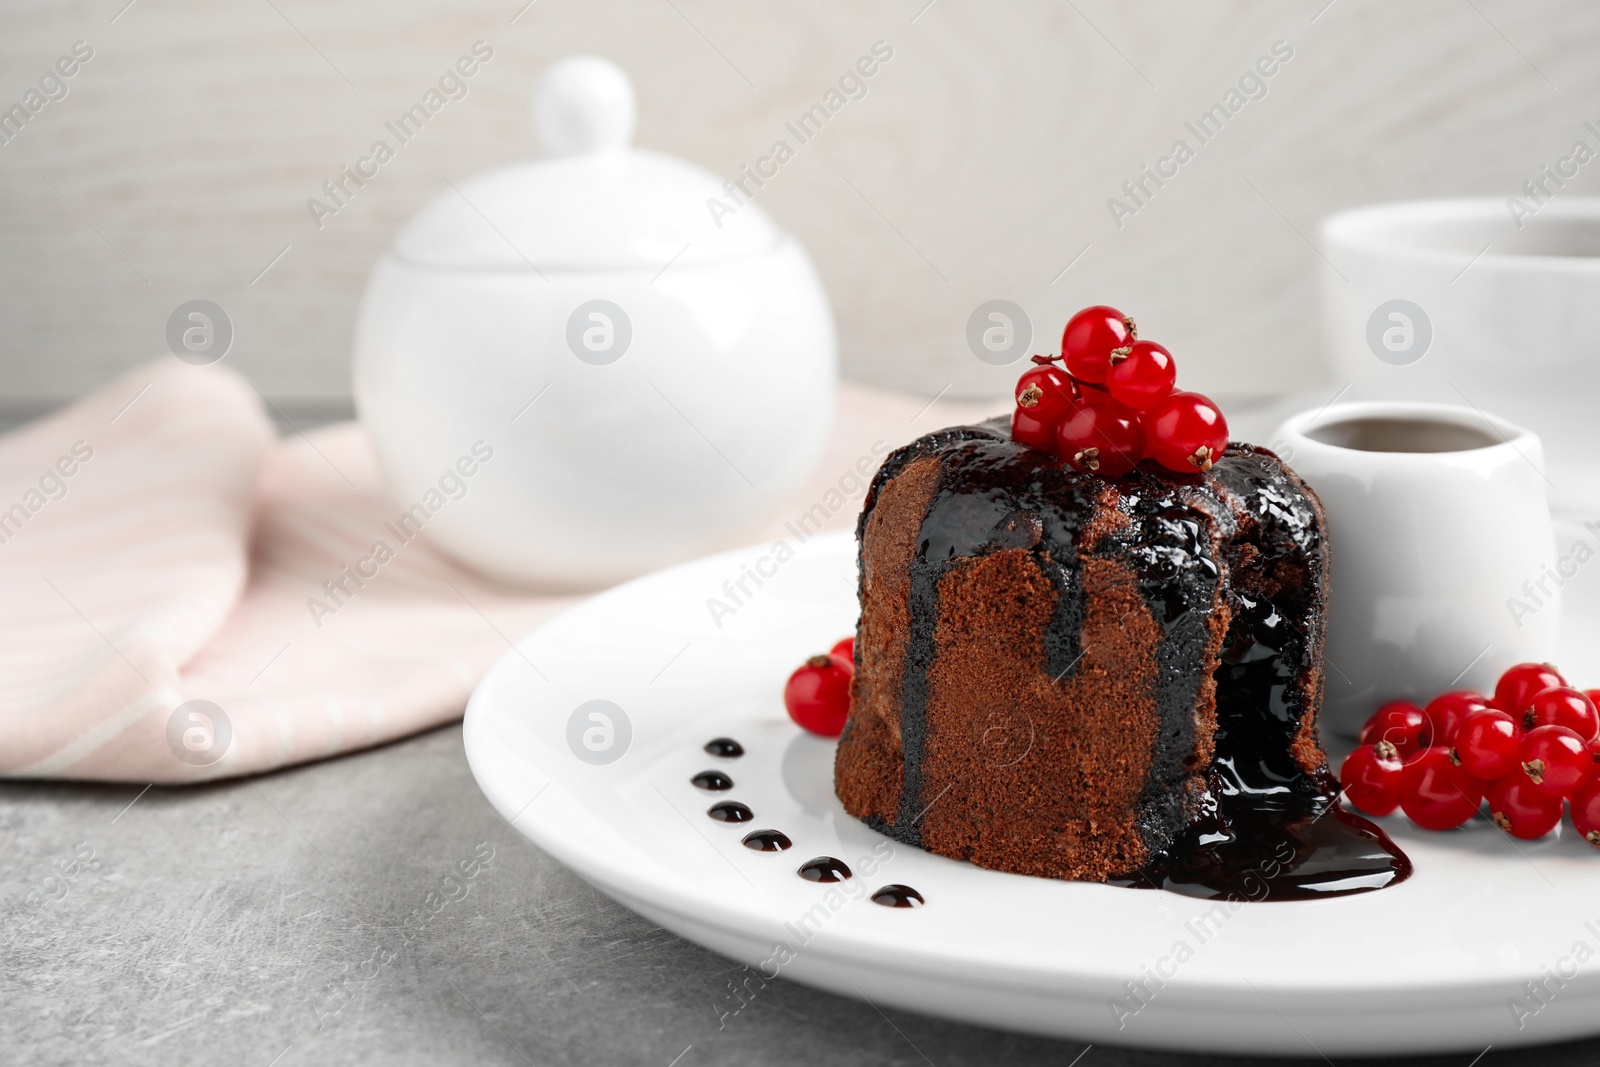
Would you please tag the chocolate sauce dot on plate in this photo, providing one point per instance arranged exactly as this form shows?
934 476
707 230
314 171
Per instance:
726 747
824 869
712 781
898 896
730 811
767 841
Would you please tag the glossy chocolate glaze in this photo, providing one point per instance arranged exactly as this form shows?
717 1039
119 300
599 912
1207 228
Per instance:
726 747
1266 827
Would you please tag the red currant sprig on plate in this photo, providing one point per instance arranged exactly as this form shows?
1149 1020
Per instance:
1531 752
1111 404
817 695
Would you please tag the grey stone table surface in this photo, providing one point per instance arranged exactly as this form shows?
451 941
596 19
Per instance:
375 910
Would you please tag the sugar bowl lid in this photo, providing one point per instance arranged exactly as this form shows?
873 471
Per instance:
593 201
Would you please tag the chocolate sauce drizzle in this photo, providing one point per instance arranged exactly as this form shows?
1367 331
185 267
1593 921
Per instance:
1265 829
725 747
712 781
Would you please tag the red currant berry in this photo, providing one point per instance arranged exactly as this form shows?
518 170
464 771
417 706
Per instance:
1371 778
845 649
1563 706
1515 690
818 695
1090 338
1437 794
1142 376
1522 810
1186 432
1045 392
1487 744
1402 724
1586 811
1447 711
1555 759
1101 436
1035 433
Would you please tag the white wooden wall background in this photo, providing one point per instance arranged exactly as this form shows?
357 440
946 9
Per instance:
984 154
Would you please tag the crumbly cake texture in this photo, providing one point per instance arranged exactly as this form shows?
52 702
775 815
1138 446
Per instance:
1057 674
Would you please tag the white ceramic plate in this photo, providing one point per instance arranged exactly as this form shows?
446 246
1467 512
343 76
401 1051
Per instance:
1440 962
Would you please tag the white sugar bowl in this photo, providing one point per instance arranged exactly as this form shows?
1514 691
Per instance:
574 371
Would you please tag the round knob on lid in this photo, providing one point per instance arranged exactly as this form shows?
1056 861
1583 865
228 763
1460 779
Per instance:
583 105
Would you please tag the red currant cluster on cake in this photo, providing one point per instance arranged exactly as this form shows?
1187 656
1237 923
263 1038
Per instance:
1111 403
817 694
1532 750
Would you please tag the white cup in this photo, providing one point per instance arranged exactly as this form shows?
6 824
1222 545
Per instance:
1442 551
1485 302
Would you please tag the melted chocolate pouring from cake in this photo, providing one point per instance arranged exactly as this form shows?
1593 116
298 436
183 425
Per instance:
1247 851
1269 830
1266 829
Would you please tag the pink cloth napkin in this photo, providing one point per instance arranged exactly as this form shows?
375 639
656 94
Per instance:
158 548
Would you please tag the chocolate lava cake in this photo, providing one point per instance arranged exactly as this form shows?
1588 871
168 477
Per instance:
1102 679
